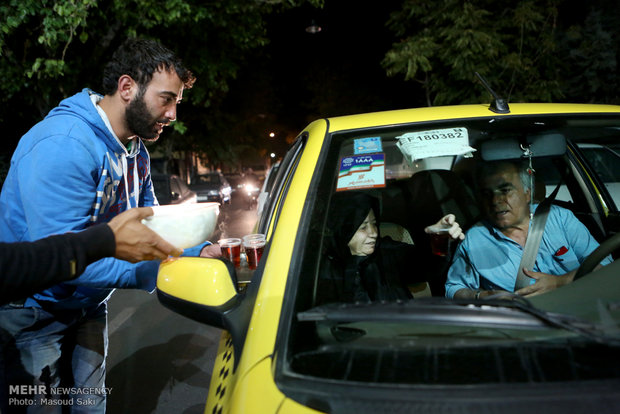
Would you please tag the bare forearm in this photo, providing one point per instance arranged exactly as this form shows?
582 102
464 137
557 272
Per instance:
475 294
465 294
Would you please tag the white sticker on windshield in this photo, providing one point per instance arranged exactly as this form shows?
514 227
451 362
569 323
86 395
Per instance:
434 143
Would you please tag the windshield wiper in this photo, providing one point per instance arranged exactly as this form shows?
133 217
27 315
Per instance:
558 320
513 311
436 310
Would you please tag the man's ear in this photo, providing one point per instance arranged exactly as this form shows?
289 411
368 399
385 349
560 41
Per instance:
127 88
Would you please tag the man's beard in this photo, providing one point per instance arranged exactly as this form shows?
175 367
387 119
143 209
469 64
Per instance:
140 121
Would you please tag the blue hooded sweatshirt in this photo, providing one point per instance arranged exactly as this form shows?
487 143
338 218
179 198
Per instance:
68 173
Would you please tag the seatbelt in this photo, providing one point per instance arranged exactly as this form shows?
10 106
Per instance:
534 236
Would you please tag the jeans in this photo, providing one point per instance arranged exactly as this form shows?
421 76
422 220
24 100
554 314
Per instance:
52 361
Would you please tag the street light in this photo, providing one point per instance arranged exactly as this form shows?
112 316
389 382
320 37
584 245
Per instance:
272 134
313 28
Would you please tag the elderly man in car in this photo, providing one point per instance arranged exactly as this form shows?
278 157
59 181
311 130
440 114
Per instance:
487 261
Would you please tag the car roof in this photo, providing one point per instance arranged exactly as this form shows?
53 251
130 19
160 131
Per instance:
436 113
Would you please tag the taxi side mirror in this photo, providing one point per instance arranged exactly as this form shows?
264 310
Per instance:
199 288
205 290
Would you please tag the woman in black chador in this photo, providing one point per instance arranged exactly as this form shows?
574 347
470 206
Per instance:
358 264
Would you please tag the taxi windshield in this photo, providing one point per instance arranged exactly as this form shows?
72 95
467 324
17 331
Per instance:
375 282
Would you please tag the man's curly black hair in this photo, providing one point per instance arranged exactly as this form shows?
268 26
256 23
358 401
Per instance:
140 59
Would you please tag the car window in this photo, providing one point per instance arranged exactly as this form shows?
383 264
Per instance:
575 191
271 177
606 164
601 161
604 161
209 178
268 217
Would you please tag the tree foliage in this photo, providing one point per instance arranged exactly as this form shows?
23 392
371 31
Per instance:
592 57
528 50
51 49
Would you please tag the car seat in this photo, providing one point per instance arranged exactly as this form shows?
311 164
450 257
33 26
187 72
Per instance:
399 233
395 232
422 200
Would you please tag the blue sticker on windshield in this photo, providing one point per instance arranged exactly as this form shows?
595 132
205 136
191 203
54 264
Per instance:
367 145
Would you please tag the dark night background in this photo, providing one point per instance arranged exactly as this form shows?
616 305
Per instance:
245 89
301 76
295 79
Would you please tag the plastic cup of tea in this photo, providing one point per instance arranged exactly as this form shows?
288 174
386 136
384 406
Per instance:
440 240
258 237
231 250
253 244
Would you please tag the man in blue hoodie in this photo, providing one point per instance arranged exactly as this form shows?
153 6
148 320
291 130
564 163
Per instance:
82 165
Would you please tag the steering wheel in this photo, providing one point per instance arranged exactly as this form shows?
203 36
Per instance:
597 255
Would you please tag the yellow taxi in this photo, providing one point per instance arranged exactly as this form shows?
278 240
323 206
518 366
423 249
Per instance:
297 341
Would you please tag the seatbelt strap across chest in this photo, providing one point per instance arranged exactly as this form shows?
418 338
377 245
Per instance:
530 250
534 236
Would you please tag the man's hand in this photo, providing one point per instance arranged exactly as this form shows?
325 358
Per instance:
449 222
544 282
135 241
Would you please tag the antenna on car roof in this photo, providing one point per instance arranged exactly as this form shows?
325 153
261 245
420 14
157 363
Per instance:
499 105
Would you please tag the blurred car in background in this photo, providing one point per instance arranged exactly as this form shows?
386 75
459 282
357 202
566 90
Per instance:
235 180
259 170
211 186
170 189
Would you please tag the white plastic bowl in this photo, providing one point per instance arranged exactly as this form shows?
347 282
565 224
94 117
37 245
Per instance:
184 225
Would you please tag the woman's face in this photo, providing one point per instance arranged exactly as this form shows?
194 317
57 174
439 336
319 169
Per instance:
365 238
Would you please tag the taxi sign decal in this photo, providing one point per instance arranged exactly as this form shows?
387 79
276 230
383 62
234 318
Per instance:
361 171
434 143
367 145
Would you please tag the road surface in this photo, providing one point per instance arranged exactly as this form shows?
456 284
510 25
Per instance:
159 361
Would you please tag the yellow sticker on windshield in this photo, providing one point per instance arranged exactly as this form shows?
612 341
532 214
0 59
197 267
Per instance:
434 143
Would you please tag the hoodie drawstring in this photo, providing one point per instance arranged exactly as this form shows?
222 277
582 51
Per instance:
136 190
136 187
